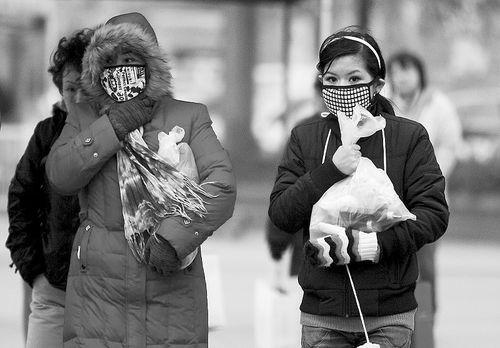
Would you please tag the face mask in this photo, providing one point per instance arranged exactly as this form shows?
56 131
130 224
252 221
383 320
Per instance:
124 82
344 98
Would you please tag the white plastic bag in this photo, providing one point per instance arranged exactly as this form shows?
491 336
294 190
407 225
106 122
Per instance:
215 291
365 200
180 156
277 314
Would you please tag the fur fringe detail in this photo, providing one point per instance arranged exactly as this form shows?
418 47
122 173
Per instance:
109 40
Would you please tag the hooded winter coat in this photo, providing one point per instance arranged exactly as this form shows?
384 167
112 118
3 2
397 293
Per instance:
112 299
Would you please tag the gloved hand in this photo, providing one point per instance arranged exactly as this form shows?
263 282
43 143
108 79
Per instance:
277 240
130 115
161 256
342 247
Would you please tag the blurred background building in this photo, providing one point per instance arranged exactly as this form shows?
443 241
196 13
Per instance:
253 64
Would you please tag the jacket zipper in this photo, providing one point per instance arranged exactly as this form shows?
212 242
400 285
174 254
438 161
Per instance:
82 250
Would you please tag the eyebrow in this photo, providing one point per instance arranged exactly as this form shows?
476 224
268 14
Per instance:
357 71
128 52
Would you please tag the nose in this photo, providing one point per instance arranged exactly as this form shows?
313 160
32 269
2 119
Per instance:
119 61
343 82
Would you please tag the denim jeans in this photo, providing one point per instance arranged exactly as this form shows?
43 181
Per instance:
46 321
388 336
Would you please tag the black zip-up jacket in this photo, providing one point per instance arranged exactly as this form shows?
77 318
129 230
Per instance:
386 287
42 223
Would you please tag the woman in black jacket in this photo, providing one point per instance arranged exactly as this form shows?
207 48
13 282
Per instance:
383 265
42 223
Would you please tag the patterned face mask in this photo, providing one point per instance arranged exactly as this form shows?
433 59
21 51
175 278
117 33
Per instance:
344 98
124 82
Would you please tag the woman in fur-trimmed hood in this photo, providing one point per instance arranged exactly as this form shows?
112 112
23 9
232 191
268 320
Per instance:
124 37
127 285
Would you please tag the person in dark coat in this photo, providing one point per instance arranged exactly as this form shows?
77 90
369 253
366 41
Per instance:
128 284
383 265
42 223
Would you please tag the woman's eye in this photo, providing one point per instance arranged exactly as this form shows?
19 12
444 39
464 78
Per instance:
330 79
355 79
130 60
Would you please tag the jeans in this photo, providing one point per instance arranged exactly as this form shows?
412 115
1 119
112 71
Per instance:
388 336
46 321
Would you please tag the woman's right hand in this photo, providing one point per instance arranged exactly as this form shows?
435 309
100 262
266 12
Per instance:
130 115
346 158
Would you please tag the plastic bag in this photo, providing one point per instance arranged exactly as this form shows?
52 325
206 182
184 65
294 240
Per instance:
365 200
277 314
180 156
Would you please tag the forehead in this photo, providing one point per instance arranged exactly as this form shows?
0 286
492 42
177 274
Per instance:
347 64
70 74
124 52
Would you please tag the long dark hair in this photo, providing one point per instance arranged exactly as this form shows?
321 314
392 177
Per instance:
335 46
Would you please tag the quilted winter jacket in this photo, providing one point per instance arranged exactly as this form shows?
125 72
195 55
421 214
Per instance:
113 300
386 287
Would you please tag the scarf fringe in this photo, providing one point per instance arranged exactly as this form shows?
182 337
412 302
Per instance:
152 190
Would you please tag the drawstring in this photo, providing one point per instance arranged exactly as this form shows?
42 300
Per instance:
383 146
326 145
347 266
385 150
357 304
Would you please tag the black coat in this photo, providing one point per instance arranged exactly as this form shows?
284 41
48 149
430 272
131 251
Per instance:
386 287
42 223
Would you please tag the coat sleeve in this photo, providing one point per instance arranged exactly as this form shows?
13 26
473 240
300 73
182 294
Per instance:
80 152
424 197
25 240
296 190
216 176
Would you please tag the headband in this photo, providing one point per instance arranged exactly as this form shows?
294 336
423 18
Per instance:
364 42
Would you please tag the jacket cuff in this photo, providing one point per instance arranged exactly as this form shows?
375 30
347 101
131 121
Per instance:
365 246
183 239
326 175
30 272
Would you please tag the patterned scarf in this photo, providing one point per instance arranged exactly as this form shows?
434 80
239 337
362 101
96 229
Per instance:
152 190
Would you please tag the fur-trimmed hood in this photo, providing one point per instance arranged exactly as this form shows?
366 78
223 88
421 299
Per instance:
110 39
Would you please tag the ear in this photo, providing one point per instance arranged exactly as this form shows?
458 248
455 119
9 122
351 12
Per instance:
377 86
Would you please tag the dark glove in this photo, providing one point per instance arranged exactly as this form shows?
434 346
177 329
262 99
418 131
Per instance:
161 256
277 240
130 115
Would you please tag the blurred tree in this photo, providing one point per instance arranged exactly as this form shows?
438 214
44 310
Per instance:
240 41
364 8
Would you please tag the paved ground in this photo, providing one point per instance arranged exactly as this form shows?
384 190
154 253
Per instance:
468 271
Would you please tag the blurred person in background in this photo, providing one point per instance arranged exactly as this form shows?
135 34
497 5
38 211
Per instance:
42 223
427 105
128 283
383 265
416 100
